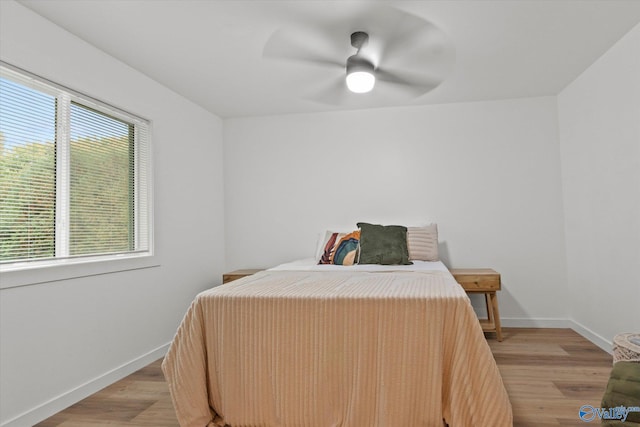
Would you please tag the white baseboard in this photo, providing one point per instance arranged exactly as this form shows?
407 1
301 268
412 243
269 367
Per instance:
601 342
516 322
70 397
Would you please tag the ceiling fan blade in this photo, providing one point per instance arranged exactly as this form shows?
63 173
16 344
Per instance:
400 40
435 56
417 84
406 32
333 93
302 46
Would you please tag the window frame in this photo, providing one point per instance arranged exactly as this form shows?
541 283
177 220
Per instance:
63 266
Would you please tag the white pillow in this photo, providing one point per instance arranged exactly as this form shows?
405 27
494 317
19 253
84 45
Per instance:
422 243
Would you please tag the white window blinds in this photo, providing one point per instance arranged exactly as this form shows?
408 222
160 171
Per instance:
74 174
27 172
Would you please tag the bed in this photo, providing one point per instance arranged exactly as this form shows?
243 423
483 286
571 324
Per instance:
322 345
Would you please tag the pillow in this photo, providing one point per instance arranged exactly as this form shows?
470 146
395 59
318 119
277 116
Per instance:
623 389
380 244
422 243
340 248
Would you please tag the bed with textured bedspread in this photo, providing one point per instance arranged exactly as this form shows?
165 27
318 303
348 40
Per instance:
333 348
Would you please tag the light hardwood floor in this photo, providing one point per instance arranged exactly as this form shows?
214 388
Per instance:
548 373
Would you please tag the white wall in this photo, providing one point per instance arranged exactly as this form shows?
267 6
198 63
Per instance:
599 121
63 340
488 173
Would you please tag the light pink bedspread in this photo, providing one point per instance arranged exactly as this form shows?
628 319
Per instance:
322 349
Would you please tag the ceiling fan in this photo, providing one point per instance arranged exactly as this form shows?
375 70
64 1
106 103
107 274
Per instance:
361 76
398 55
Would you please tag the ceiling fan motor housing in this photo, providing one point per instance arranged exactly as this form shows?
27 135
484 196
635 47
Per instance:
359 39
356 63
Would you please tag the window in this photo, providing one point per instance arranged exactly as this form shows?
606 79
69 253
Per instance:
74 176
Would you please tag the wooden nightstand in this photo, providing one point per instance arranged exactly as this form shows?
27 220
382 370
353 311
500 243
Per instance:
483 281
238 274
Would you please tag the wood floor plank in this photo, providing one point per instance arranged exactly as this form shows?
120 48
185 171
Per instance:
548 373
160 414
109 408
583 389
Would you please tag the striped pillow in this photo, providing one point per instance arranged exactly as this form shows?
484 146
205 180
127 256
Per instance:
423 243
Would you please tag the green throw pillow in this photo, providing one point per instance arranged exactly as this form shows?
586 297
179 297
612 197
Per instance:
383 244
623 389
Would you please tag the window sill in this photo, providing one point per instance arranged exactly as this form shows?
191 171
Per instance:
37 273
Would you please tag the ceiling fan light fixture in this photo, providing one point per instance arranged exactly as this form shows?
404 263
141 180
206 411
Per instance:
360 75
361 82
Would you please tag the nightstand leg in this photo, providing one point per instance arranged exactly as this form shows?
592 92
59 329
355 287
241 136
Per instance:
496 314
489 307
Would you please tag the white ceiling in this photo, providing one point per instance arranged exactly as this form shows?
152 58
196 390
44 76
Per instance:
211 51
